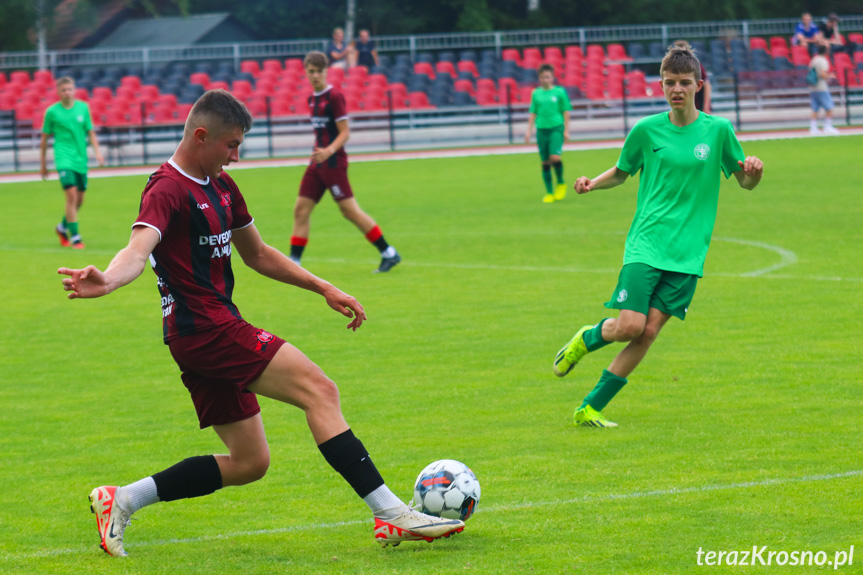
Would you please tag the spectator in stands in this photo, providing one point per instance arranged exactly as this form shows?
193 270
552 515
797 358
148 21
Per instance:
69 121
831 37
819 94
367 54
702 97
806 33
339 53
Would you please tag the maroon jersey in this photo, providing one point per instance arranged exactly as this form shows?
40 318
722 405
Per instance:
192 260
328 107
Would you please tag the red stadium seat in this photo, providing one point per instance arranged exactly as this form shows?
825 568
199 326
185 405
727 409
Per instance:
615 88
617 53
553 54
3 79
857 38
574 53
43 78
301 106
485 84
778 42
424 68
377 80
524 94
446 68
511 54
272 66
464 86
335 75
133 82
219 86
468 66
242 89
533 53
81 94
149 92
294 65
250 67
757 43
799 55
127 93
594 92
486 98
595 51
200 78
507 88
168 101
102 93
19 77
419 100
358 72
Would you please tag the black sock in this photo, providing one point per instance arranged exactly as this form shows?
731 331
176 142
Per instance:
558 172
381 244
346 454
192 477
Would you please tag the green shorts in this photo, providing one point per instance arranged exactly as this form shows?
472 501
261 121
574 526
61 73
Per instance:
641 287
549 141
68 178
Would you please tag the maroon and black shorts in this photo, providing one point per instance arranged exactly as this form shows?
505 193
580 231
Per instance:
218 365
318 179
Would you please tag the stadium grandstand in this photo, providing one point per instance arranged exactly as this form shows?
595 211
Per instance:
434 80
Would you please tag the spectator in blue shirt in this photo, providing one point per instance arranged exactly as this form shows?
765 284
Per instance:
367 54
806 33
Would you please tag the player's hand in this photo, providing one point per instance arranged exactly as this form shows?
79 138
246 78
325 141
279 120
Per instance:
566 137
583 185
527 138
100 158
321 155
752 167
346 305
44 172
86 283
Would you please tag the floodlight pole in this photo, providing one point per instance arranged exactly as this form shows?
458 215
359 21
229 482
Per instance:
350 21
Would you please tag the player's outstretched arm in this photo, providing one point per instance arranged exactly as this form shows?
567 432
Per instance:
608 179
127 265
750 173
270 262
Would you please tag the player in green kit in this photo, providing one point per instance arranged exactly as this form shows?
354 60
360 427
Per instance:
680 155
69 121
549 110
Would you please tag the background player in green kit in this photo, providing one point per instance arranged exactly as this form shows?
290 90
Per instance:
680 155
549 110
69 121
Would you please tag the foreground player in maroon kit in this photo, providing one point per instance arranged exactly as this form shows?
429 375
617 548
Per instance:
191 215
328 168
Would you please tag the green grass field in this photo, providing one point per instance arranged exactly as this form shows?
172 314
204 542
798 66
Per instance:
741 428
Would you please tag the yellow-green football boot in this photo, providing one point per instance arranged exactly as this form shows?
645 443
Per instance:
588 417
570 354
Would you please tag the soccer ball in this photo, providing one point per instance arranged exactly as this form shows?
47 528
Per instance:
447 488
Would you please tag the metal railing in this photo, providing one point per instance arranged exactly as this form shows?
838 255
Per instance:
145 57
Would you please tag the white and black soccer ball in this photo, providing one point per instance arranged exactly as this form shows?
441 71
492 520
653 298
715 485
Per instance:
447 488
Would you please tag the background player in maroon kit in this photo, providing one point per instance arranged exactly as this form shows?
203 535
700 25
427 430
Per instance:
191 215
328 168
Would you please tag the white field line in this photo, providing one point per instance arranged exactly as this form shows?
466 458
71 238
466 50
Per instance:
500 508
416 155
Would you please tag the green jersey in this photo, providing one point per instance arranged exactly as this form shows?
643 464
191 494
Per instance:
678 192
549 106
70 128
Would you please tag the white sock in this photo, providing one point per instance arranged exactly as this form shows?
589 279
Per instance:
813 124
390 252
828 123
136 495
384 502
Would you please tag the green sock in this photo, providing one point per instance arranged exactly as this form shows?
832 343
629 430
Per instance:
64 224
73 229
593 337
608 386
558 172
546 177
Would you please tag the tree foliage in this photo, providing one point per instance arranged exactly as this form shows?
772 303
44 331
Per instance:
293 19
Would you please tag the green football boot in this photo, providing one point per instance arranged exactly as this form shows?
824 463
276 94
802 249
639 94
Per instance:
588 417
570 354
